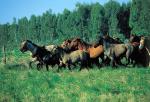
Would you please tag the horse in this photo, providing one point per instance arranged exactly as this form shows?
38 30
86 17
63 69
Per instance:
142 57
38 52
66 43
78 44
111 40
115 50
145 48
74 57
134 38
133 53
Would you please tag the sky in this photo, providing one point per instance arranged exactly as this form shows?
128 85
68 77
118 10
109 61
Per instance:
21 8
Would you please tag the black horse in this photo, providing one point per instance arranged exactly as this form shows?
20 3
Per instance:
42 55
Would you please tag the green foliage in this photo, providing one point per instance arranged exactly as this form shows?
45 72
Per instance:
111 12
140 17
96 20
86 21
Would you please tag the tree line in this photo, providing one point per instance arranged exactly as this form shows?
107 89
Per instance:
86 21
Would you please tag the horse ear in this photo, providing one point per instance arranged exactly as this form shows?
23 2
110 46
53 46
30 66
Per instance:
29 41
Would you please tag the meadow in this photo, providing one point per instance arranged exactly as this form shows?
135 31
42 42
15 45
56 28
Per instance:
18 83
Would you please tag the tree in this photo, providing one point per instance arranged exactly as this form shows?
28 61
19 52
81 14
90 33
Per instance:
23 29
4 29
111 12
83 14
97 20
123 20
140 17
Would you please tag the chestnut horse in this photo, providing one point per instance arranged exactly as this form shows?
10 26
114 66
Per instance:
79 44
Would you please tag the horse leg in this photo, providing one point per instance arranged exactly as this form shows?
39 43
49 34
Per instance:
113 62
84 64
59 68
107 61
128 56
102 57
47 67
30 64
118 61
89 63
39 66
96 61
81 66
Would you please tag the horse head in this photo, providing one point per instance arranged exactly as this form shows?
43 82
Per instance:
66 43
23 47
142 43
27 45
134 38
78 44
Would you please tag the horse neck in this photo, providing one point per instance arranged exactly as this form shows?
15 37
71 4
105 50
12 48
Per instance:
62 52
113 41
106 44
85 45
32 47
147 42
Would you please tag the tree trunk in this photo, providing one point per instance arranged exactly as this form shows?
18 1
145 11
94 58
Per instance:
4 54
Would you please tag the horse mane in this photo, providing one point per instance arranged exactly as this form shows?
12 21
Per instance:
32 43
111 40
147 41
135 38
81 41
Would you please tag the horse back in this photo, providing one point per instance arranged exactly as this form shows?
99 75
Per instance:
95 52
147 43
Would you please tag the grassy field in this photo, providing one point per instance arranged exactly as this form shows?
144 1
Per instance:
21 84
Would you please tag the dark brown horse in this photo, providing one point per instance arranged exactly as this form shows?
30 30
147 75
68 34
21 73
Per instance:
134 38
79 44
145 48
111 40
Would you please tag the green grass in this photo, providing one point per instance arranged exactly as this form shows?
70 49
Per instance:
94 85
21 84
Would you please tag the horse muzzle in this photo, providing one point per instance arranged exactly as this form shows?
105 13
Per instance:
22 50
141 47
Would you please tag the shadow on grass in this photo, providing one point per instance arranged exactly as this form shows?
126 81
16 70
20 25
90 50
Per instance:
21 66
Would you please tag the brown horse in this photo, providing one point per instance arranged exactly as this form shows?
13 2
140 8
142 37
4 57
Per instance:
115 50
145 47
130 50
66 43
134 38
79 44
74 57
111 40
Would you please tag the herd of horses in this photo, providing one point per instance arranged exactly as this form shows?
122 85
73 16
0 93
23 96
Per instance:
76 51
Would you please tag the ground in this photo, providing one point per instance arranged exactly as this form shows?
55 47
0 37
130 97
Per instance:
19 83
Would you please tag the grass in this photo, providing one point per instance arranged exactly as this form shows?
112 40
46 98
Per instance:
21 84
